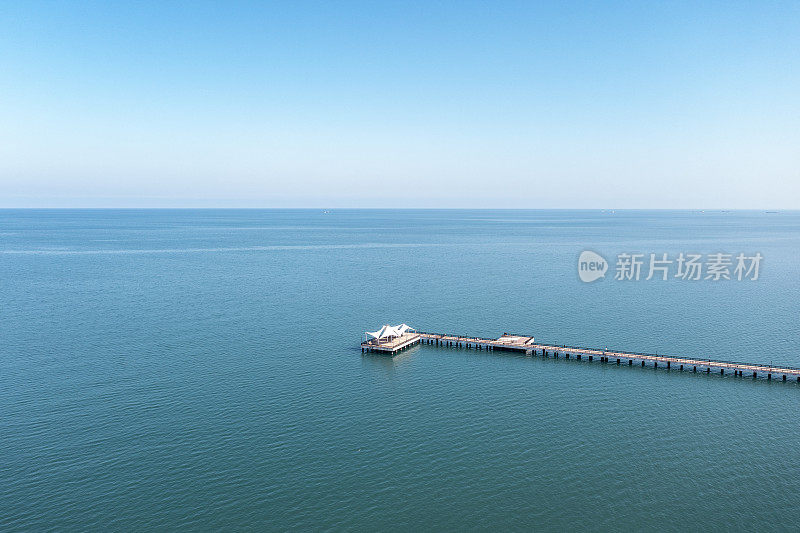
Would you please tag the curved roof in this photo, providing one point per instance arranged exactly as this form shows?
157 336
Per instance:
389 331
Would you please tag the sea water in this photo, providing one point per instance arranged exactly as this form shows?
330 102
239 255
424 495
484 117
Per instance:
200 369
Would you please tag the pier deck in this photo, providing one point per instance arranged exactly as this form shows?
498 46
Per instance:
527 345
393 345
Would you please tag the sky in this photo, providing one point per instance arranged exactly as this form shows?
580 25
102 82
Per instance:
400 104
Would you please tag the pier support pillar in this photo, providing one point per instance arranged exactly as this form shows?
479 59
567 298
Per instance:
681 368
617 361
566 355
708 370
579 357
655 364
694 369
755 375
721 371
668 364
590 358
630 362
642 363
784 377
769 376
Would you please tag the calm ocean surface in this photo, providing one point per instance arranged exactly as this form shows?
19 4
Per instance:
200 369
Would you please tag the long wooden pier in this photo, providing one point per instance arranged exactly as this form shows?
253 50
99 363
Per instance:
526 344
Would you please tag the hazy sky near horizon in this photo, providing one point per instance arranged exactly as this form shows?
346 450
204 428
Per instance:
400 104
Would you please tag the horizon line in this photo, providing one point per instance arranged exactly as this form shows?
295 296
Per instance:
307 208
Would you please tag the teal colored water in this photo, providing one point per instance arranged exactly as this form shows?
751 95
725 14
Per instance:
200 369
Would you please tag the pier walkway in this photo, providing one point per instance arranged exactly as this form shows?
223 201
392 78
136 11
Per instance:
526 344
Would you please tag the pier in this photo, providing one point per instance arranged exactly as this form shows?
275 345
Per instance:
526 344
391 345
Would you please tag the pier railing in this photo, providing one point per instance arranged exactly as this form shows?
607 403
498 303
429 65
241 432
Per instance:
568 348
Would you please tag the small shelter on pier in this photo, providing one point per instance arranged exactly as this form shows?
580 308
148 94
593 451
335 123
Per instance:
390 339
388 332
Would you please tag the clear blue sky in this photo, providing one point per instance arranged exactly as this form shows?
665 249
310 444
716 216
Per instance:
374 104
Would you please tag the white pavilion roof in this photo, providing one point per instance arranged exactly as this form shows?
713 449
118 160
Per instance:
389 331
